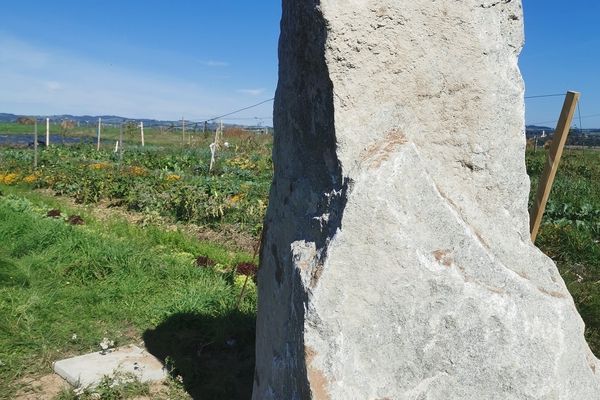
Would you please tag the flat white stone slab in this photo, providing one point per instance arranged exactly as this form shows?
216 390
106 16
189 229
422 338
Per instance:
88 370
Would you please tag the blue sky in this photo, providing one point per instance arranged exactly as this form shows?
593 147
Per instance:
200 59
562 52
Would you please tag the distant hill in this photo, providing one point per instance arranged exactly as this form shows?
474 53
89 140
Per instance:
114 119
8 117
531 130
92 119
537 128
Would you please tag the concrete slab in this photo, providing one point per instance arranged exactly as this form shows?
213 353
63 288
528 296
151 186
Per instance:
87 370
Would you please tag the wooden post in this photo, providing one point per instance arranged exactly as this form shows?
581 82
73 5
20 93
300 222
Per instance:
213 153
182 132
47 132
218 142
142 131
99 132
35 144
121 145
554 154
213 150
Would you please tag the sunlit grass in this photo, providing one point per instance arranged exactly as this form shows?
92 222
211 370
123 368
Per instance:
64 287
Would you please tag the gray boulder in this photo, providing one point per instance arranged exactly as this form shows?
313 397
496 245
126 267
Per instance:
396 260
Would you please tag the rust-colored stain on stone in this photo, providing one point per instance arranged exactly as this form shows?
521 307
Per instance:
316 275
591 362
522 275
444 257
317 380
552 293
481 239
381 150
495 290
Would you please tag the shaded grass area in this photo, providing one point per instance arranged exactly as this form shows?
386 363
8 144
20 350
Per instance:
64 287
570 231
214 355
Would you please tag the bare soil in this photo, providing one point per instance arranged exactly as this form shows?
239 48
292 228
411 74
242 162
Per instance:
46 387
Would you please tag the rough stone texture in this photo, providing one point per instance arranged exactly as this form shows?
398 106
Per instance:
396 258
89 369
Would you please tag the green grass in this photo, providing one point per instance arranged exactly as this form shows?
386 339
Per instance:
7 128
570 232
109 388
64 287
152 136
173 182
114 279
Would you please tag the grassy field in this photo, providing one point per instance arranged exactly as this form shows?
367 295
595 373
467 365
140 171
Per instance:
165 136
65 287
570 233
173 182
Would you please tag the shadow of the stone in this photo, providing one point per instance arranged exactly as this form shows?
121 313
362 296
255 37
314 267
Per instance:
213 355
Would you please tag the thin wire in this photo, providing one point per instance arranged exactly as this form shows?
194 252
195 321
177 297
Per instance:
579 112
590 116
543 122
240 110
245 118
545 95
554 121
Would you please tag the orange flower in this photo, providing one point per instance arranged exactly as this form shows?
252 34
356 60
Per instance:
172 178
137 171
31 178
10 179
101 165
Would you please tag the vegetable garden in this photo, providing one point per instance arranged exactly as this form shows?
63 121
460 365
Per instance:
46 262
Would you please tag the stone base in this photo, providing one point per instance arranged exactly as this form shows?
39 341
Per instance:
89 369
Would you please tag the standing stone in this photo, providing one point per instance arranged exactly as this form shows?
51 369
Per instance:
396 259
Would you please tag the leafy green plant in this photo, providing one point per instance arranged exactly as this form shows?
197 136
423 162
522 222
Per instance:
170 182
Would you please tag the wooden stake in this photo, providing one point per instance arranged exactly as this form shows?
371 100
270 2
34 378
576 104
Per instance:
142 131
243 291
554 154
47 132
182 132
35 144
99 130
121 145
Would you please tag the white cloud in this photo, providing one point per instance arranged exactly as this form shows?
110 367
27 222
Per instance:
19 53
53 86
214 63
251 92
45 81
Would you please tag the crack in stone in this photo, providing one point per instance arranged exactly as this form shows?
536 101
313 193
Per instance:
491 5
